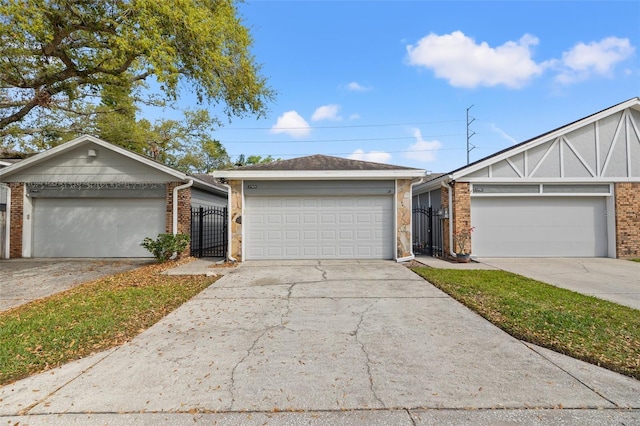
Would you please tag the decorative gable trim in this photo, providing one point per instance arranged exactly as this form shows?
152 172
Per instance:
602 147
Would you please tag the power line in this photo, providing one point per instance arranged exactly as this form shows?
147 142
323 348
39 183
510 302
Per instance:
343 127
297 142
385 152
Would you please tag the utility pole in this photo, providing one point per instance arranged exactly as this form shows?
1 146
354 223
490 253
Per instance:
470 133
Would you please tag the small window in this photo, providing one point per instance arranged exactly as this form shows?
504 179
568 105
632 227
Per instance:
506 189
576 189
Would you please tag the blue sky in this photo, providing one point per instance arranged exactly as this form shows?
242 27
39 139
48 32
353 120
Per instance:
390 81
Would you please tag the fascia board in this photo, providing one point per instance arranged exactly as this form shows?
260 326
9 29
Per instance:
317 174
43 156
632 103
431 185
206 185
550 180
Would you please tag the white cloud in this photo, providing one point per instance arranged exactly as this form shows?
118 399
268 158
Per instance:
354 117
357 87
422 150
292 124
326 112
374 156
595 58
465 63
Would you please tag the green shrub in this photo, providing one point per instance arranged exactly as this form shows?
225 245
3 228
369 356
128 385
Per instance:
166 245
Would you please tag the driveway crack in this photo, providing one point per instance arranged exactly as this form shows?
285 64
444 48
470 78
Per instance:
287 310
366 353
282 325
324 273
243 359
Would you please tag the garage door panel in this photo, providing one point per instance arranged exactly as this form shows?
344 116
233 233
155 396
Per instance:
539 226
320 227
81 227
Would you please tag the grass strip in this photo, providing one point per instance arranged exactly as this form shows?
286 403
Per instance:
584 327
89 318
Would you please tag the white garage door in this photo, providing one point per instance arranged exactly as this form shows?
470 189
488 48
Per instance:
539 226
296 227
95 227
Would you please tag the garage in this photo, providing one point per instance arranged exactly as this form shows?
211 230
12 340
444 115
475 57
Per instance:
320 207
539 226
320 227
95 227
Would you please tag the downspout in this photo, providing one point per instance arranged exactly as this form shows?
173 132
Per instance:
174 216
7 224
450 191
229 236
412 256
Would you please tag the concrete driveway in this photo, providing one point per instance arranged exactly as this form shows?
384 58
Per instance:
323 343
616 280
24 280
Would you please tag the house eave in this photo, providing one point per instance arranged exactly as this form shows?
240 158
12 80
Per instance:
200 184
432 184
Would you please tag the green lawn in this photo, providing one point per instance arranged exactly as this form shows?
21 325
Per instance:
95 316
635 260
594 330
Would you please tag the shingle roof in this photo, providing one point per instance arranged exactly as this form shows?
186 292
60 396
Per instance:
322 162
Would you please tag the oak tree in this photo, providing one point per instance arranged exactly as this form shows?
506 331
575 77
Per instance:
58 58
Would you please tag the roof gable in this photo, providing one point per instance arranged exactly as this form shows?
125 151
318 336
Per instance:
58 152
597 146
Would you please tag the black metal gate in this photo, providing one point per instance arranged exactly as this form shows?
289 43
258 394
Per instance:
209 232
427 232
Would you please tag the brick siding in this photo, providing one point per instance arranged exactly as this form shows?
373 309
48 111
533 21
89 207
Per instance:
627 219
17 209
461 210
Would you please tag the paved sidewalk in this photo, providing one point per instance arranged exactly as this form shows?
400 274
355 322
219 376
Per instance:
350 342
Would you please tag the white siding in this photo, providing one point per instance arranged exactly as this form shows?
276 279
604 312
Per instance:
76 166
206 199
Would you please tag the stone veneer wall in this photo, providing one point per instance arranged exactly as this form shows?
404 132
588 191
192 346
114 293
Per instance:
461 214
184 212
17 208
403 213
236 219
627 219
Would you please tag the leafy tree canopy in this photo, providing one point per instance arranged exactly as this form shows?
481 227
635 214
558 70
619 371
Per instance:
254 159
72 67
